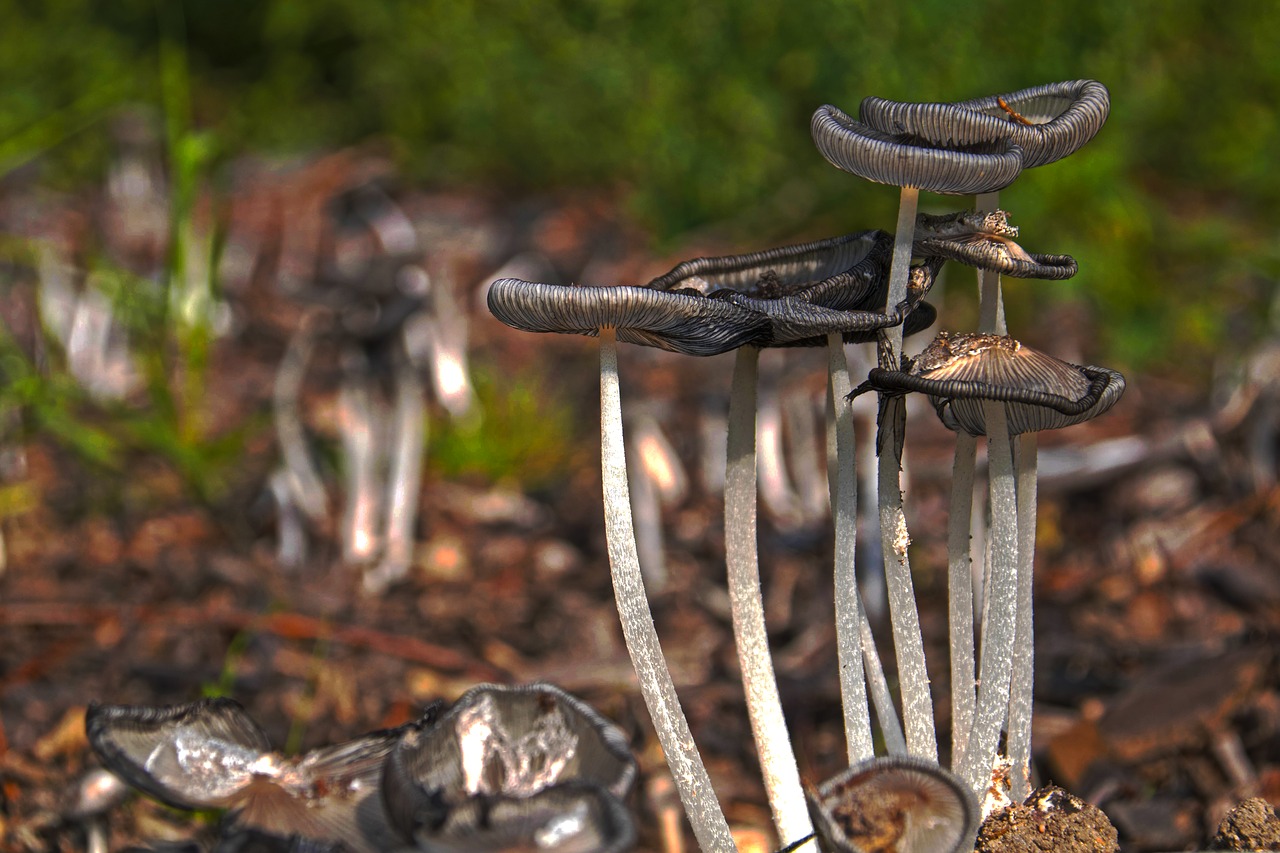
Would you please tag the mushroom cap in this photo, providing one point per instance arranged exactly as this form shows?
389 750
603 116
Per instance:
502 742
897 803
677 322
841 273
984 240
1062 117
1040 392
210 754
570 817
979 165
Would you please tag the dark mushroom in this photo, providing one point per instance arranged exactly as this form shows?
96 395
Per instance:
983 384
210 755
983 239
898 805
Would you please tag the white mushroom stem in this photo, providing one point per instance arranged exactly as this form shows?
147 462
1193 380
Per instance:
1022 679
998 624
764 708
362 445
407 448
990 304
844 514
304 481
656 686
960 596
917 704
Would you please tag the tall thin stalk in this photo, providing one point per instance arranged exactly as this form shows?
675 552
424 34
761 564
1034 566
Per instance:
1023 676
659 692
764 707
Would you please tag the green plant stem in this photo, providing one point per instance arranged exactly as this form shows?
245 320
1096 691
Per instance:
1022 680
659 692
764 707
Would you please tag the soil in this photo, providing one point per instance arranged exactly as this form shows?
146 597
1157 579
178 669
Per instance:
1157 591
1252 825
1050 820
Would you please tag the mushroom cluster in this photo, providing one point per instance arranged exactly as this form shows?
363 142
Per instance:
504 768
863 287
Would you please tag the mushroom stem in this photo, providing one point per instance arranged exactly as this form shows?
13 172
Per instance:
362 445
848 599
764 707
960 596
998 624
656 686
917 704
406 481
990 303
1022 678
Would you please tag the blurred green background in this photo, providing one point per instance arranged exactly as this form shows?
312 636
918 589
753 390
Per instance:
697 115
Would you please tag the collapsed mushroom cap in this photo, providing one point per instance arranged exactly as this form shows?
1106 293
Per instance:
210 754
1047 122
899 803
840 273
571 817
677 322
1041 392
979 165
502 742
984 240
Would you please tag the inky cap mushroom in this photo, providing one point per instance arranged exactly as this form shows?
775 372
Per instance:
959 371
1047 122
571 817
502 742
678 322
978 165
984 240
210 754
895 804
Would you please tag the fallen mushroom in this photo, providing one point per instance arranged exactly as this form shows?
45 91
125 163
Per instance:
894 805
512 763
210 755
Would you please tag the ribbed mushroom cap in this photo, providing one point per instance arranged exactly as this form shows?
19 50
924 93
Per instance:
210 754
842 273
571 817
1047 122
896 804
502 741
909 160
959 371
677 322
984 240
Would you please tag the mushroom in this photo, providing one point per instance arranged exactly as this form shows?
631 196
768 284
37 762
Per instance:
98 792
898 804
983 384
210 755
983 239
795 295
505 764
911 163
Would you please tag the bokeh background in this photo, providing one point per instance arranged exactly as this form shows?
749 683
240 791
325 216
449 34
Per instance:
696 116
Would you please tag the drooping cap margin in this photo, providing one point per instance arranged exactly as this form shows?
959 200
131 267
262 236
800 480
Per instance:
908 160
985 240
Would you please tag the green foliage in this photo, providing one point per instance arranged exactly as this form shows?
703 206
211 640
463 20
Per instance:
699 113
521 430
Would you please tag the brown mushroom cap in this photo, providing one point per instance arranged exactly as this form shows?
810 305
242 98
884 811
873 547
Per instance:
897 803
984 240
960 371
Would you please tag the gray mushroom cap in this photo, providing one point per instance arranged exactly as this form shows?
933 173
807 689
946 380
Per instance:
210 754
571 817
985 240
677 322
502 742
901 803
1059 119
1040 392
909 160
